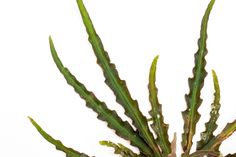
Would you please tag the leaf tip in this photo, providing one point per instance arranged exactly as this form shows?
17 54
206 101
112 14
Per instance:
102 143
213 72
156 59
50 41
31 119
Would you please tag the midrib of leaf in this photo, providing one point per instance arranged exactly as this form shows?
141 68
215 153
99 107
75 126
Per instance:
115 83
191 115
196 88
122 128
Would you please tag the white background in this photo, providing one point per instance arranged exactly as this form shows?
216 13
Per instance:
133 32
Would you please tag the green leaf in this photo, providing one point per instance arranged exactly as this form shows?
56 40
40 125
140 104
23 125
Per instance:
215 143
211 125
117 85
59 146
122 128
158 125
191 115
119 149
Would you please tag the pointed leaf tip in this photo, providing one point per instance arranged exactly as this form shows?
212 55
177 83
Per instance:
29 118
155 59
213 72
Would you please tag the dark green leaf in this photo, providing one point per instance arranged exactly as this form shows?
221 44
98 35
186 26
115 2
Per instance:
117 85
123 129
191 115
211 125
158 125
59 146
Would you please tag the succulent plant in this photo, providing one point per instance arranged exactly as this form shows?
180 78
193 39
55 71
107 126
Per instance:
155 142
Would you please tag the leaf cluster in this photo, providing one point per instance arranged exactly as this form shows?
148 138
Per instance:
152 138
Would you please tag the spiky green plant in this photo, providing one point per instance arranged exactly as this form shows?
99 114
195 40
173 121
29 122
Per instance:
149 144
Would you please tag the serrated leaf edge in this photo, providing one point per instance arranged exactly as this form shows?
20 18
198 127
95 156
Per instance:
117 85
191 115
122 128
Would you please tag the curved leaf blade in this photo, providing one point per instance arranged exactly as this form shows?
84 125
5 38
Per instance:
119 149
191 115
117 85
58 144
215 143
122 128
158 125
211 125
